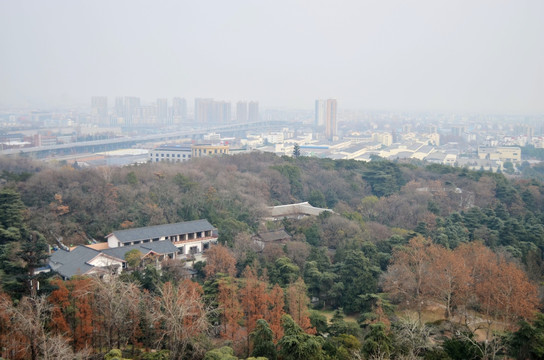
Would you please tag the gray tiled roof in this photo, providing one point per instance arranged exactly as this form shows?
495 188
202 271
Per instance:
70 263
414 147
274 236
160 247
75 262
425 149
439 156
157 231
401 155
174 147
294 209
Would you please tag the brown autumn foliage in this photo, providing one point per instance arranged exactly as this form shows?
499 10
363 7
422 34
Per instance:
503 290
84 324
71 314
182 316
449 280
60 300
470 275
298 301
254 299
12 342
219 259
407 273
275 311
231 312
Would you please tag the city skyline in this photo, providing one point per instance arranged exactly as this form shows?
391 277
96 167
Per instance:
424 55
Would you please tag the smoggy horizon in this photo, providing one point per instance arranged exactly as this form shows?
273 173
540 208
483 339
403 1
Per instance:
464 56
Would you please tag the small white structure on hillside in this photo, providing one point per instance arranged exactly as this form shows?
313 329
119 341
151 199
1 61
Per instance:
293 211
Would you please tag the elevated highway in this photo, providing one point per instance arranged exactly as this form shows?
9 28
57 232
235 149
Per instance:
94 146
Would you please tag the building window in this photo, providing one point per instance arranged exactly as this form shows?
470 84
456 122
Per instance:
178 156
162 155
167 155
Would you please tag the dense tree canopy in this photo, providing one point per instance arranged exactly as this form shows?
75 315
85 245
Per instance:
402 236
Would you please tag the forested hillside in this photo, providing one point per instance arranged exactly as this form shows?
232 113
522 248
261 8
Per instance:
426 261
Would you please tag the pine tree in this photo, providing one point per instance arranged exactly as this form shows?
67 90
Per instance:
296 150
263 341
296 344
34 252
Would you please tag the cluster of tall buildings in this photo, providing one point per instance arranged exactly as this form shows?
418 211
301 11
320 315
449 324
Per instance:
325 117
247 112
214 111
128 111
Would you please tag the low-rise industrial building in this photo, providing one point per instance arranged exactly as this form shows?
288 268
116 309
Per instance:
184 152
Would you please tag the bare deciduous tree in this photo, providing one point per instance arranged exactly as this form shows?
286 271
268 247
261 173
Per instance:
182 316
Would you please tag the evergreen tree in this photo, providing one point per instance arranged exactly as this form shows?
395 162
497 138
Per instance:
296 150
296 344
377 342
18 243
11 210
11 216
528 341
34 252
358 277
263 341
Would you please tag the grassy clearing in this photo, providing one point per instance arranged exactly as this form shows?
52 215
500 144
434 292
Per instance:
329 314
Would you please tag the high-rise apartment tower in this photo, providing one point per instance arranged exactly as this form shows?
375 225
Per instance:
253 111
320 110
241 112
179 110
99 109
330 125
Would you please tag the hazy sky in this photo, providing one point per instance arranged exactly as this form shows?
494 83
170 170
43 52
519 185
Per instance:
456 55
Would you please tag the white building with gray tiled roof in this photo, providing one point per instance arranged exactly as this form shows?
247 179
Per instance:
85 260
190 237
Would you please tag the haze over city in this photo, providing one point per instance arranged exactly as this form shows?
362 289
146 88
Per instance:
462 56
